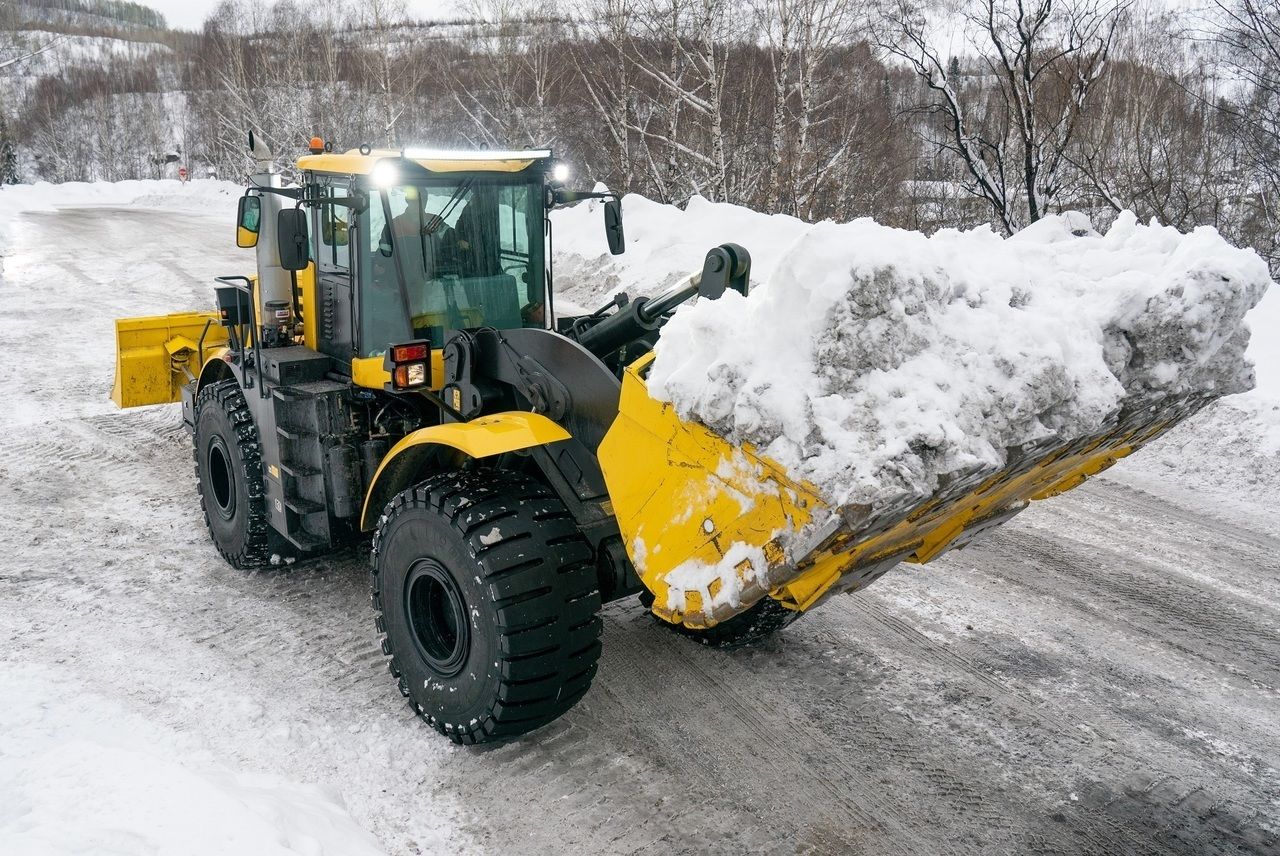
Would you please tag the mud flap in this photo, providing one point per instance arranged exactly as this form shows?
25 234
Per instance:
157 354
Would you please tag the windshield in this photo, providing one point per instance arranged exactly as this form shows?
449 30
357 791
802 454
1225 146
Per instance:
471 254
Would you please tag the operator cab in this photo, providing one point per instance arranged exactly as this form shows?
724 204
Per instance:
384 248
455 252
419 243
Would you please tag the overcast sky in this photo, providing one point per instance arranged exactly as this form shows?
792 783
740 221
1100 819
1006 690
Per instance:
190 14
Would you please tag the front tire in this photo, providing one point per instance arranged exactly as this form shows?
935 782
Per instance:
229 476
487 601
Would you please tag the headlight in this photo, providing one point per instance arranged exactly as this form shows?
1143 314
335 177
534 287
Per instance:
384 174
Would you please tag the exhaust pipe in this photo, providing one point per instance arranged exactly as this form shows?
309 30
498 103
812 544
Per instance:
275 284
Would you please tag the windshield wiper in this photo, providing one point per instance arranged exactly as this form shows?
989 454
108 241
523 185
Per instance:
396 254
449 206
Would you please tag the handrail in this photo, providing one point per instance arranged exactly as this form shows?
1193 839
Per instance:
245 291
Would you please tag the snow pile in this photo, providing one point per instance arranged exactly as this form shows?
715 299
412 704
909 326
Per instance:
81 774
664 244
1264 345
874 361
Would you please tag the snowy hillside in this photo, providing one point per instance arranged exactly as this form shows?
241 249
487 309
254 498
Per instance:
70 49
1098 676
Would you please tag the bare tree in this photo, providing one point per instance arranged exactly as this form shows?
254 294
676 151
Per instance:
605 76
681 50
394 75
513 72
1012 125
1246 34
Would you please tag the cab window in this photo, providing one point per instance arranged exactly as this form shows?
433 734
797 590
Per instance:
470 251
335 234
381 311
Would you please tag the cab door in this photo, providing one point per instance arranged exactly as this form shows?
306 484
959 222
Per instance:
334 230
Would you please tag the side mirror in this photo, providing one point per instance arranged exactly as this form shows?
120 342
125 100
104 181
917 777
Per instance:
248 221
613 226
291 233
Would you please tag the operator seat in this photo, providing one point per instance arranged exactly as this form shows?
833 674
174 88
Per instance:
499 299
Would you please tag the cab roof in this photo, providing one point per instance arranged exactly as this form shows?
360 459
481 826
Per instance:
352 162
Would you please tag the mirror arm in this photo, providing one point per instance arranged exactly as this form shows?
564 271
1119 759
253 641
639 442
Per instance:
568 197
357 202
291 192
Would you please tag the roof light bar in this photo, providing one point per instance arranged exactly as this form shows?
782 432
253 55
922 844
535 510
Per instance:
476 154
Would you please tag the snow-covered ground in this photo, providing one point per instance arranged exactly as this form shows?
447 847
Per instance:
1101 675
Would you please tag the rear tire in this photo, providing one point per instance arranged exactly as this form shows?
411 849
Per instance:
229 476
762 620
487 600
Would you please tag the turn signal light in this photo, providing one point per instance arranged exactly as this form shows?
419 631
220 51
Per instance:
409 353
409 376
409 365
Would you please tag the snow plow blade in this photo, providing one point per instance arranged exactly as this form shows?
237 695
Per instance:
157 354
754 532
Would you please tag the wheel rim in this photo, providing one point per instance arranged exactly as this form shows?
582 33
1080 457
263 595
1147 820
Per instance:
221 482
437 617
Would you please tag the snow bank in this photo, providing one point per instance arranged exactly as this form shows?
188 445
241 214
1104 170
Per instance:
664 244
172 195
80 774
872 360
1264 344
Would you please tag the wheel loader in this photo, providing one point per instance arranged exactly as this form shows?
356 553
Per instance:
395 372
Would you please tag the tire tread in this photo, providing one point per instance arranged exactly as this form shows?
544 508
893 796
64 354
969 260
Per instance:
544 595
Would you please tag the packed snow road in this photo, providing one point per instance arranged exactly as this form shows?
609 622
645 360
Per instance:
1100 676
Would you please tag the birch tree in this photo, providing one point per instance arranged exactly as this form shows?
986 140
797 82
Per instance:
1246 34
1011 128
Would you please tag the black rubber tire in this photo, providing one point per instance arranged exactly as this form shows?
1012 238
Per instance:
229 476
765 618
499 550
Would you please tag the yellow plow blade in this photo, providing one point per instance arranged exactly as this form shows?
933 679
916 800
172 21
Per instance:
713 528
157 354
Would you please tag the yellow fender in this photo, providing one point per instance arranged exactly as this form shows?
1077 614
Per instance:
430 448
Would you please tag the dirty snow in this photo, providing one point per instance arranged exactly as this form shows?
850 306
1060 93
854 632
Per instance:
872 360
875 360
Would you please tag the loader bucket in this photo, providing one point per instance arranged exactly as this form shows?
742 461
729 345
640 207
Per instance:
157 354
712 528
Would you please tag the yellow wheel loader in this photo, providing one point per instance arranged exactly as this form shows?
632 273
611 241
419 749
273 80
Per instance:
396 368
